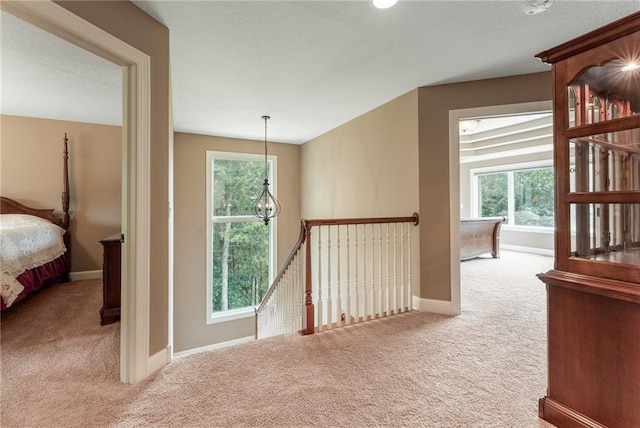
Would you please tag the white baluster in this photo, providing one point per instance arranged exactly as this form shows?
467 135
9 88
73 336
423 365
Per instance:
286 283
357 309
388 273
292 292
371 285
365 294
395 270
301 285
348 305
274 309
409 255
319 305
329 281
339 313
402 290
295 294
372 275
381 308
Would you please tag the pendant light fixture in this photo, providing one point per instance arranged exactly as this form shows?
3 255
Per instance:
266 205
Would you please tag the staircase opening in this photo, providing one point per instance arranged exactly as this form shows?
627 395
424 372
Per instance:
341 272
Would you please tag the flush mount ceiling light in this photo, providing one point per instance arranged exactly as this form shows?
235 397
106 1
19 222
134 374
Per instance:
533 7
384 4
467 125
266 206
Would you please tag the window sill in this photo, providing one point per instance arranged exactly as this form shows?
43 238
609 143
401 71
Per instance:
529 229
231 315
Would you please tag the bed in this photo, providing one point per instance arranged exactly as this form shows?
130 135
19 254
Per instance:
34 245
480 236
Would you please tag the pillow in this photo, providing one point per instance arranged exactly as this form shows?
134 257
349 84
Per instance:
10 221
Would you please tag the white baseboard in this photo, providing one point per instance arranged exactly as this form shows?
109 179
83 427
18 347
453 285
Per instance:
435 306
87 274
531 250
214 346
159 360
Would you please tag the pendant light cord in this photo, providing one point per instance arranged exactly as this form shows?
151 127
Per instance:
266 168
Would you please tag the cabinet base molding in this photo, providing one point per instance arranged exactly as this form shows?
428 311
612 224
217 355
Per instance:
109 315
563 416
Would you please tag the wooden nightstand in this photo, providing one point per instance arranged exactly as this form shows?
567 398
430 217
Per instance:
110 311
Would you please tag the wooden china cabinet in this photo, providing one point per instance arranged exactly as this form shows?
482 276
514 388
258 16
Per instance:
593 293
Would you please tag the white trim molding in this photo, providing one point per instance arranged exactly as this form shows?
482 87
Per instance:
444 307
49 16
86 274
530 250
135 225
220 345
159 360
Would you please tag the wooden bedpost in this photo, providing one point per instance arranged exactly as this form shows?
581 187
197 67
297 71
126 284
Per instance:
65 184
65 277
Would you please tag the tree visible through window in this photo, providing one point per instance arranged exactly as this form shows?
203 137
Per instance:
533 192
240 242
524 196
494 194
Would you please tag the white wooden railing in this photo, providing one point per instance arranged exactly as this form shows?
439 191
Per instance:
341 272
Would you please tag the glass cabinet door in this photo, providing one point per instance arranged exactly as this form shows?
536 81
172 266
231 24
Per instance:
605 92
602 136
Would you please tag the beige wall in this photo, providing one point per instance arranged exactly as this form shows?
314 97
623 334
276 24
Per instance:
367 167
31 172
131 25
435 102
190 328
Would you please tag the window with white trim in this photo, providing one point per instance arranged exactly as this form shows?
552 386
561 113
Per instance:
523 195
240 250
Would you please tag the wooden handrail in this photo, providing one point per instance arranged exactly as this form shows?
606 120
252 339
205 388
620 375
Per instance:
415 219
285 266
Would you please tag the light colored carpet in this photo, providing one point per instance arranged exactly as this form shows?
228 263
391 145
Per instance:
485 368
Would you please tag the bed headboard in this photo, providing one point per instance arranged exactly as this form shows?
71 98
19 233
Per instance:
11 206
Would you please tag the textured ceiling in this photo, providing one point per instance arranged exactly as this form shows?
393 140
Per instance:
44 76
310 65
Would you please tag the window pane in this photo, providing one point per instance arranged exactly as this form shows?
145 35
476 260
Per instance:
236 185
240 264
493 189
534 197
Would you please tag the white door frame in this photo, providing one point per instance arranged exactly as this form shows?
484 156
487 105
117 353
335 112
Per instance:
454 178
53 18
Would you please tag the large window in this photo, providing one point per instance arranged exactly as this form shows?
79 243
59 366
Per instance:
240 250
524 196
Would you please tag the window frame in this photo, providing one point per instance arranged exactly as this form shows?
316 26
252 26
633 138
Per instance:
249 311
474 173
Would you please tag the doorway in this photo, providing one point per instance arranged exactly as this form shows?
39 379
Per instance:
47 15
512 137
